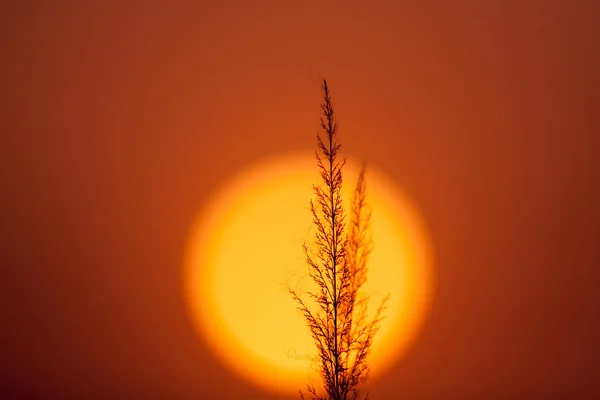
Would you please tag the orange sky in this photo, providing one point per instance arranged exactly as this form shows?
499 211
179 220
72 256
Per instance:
119 120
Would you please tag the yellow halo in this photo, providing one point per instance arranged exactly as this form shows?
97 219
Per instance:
246 246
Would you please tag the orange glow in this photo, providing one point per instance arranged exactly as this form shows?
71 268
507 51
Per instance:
245 247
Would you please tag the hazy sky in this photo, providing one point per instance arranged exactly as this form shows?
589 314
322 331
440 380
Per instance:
118 120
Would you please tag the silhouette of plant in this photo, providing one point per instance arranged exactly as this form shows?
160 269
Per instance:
336 313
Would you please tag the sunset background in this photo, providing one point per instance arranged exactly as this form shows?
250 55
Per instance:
119 120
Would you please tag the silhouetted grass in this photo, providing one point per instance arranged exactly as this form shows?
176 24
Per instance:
338 323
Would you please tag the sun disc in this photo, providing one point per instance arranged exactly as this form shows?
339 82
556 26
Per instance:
245 249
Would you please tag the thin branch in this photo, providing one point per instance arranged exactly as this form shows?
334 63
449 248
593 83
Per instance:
339 326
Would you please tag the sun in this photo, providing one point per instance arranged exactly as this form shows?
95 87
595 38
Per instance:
245 248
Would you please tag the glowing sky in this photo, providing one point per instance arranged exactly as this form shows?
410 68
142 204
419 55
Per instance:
119 119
